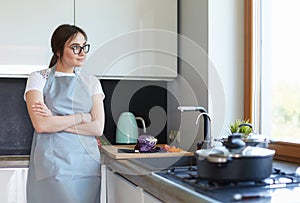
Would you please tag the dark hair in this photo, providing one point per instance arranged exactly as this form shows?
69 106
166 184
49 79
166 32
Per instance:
59 38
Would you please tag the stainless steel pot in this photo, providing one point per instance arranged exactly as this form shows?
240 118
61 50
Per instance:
253 140
245 164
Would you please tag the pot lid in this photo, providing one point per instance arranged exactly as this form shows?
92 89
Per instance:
248 151
257 151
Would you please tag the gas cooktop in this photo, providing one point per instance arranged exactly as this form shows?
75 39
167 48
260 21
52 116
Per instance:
279 187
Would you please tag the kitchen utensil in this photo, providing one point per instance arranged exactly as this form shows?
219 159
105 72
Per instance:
128 151
245 164
234 142
112 151
127 130
252 139
297 172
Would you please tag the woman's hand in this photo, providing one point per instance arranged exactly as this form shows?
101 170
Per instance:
86 117
39 108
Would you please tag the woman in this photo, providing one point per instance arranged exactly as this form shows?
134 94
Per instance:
66 110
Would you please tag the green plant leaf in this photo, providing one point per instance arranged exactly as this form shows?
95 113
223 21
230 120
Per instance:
234 127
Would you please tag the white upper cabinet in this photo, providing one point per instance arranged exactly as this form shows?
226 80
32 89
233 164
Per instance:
130 39
26 28
134 39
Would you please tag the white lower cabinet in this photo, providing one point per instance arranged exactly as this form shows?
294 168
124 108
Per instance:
148 198
120 190
13 185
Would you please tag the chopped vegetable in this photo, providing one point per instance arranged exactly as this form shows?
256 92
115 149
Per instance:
146 143
169 148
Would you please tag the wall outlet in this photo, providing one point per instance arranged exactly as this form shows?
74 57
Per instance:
177 139
172 135
174 138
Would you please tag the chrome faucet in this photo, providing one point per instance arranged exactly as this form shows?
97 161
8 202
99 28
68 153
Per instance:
192 108
207 141
143 123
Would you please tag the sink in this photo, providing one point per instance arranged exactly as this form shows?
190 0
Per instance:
144 163
160 163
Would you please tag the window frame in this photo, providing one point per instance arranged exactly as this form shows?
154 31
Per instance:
285 151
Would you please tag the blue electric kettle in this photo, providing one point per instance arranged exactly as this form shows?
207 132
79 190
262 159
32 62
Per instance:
127 130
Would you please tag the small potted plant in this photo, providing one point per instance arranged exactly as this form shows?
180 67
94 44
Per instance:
244 129
238 127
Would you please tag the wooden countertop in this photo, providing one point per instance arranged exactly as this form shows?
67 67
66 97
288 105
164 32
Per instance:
112 151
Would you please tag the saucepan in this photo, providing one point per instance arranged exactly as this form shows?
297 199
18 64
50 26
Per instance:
235 162
252 139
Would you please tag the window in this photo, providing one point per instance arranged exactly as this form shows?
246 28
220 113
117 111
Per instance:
272 67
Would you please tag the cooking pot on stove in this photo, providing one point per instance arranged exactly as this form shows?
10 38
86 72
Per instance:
235 162
252 139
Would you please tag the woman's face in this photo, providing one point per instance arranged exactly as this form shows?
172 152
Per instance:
69 59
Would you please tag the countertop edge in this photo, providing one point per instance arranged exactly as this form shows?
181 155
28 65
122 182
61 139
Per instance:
14 161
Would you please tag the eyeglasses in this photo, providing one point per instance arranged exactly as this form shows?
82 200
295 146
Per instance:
77 49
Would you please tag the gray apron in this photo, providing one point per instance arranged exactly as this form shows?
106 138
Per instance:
64 167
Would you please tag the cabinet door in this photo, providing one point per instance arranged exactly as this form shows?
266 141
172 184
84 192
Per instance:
148 198
121 190
130 39
26 28
13 185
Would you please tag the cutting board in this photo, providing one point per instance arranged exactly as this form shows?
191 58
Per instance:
112 151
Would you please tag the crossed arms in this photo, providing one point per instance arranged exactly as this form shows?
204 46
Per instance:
91 124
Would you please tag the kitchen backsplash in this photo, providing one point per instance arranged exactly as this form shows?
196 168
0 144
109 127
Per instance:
138 97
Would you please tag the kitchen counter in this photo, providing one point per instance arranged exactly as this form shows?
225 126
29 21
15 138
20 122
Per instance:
140 172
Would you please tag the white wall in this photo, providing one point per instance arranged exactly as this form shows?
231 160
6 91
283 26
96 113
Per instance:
211 51
226 52
190 87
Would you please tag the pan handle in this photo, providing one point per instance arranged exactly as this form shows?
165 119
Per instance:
217 159
245 124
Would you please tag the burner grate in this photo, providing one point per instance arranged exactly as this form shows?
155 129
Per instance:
189 176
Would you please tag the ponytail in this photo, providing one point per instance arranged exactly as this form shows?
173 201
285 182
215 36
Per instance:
53 60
